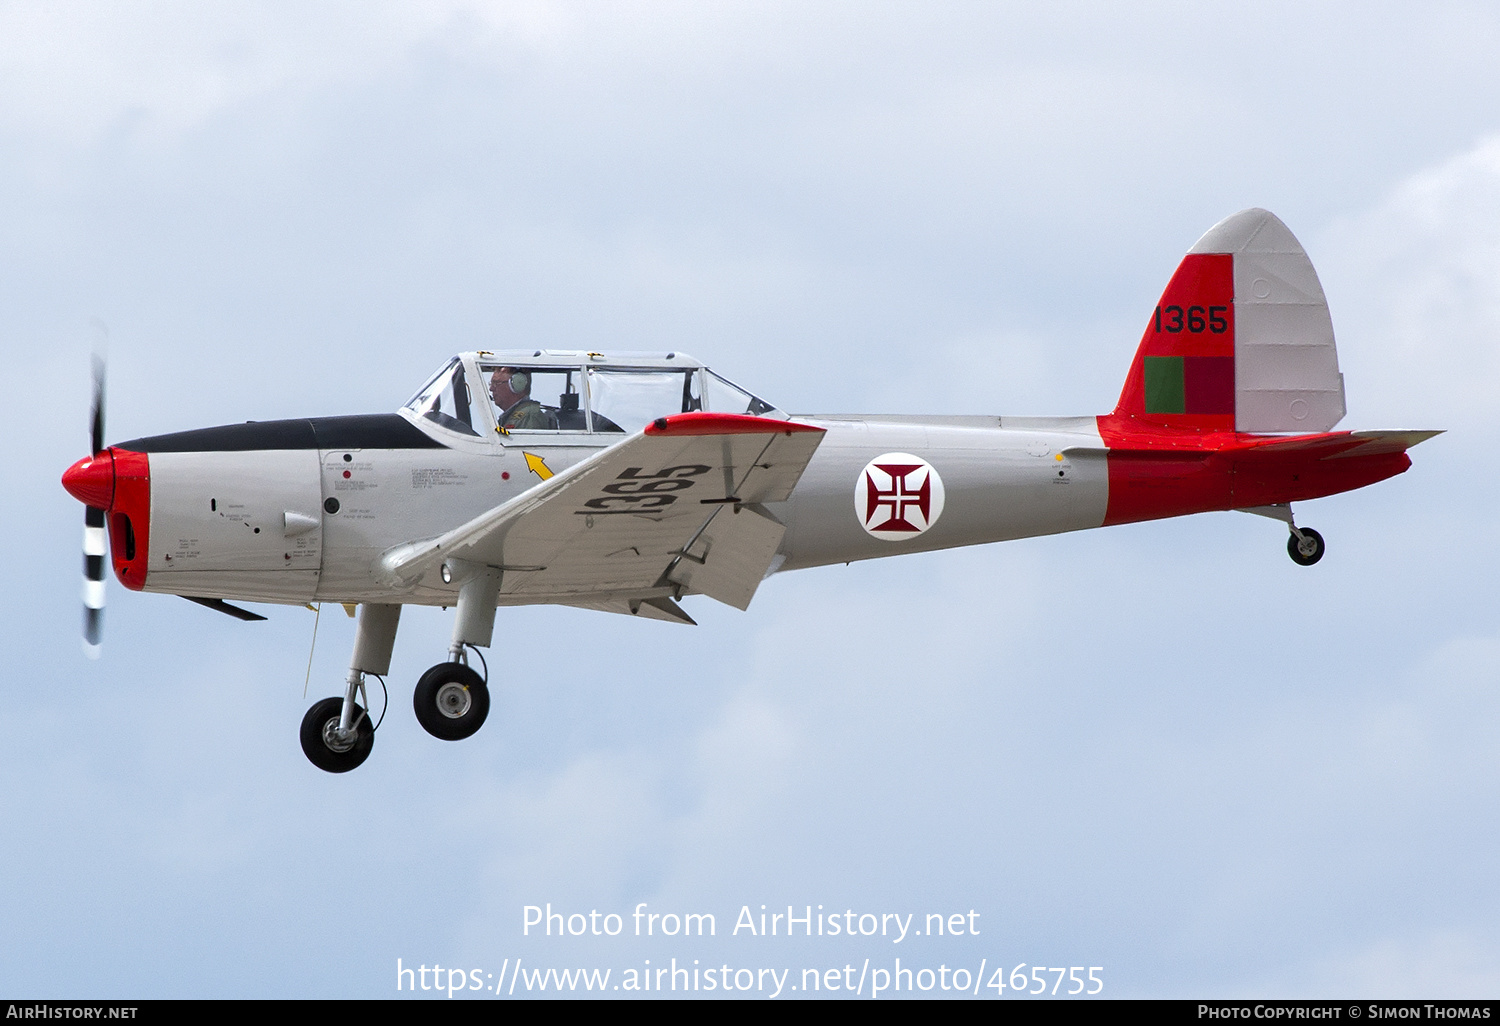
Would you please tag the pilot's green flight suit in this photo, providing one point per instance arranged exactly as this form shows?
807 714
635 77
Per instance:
527 415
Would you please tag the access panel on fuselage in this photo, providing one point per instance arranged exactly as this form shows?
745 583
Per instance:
376 499
233 513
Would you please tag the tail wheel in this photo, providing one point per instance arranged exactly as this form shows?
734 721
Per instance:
321 742
1308 549
451 701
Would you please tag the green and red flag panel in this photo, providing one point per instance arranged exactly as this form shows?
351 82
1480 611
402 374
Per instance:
1189 384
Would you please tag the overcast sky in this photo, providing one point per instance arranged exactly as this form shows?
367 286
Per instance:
1162 749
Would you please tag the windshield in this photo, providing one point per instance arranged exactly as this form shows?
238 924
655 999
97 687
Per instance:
445 400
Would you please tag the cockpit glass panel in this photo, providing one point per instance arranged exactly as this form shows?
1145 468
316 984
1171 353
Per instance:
535 398
446 401
422 393
725 397
628 400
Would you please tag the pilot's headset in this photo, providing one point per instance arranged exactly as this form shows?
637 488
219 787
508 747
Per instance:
520 382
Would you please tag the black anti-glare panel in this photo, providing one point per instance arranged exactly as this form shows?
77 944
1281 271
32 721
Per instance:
366 431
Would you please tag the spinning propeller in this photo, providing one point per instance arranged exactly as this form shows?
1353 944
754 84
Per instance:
91 481
93 531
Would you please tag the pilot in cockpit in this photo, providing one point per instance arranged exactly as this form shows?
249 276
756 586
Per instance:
510 387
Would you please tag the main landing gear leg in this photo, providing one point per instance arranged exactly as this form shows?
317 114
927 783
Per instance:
337 734
451 700
1305 545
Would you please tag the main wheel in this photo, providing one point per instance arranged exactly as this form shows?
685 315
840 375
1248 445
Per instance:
1308 549
328 752
451 701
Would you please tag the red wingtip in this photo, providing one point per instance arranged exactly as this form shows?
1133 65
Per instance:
92 480
703 423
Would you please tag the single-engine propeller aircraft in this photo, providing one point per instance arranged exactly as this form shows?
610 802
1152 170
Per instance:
626 482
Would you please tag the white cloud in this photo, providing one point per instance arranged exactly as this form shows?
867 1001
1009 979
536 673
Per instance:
1415 289
75 71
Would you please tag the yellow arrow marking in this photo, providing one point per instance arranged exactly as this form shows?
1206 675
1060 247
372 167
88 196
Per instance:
537 465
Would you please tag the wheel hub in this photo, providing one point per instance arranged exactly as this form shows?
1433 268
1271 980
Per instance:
453 700
338 740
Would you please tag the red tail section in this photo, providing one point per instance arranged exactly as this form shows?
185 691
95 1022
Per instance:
1183 374
1235 387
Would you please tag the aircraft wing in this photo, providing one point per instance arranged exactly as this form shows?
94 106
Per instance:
676 506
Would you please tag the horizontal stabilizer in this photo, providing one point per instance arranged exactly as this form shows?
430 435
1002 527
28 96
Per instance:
1343 445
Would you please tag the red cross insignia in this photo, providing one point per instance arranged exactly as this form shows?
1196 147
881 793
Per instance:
898 496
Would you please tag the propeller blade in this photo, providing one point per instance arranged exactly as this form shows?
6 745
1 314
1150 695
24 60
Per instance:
96 416
93 580
93 526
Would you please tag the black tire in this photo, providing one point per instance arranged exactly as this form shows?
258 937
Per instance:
315 743
1305 558
451 701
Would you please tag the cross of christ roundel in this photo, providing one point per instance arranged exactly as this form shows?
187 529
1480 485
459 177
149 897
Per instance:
898 496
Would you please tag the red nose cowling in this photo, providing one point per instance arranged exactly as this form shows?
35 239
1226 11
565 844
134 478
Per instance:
92 480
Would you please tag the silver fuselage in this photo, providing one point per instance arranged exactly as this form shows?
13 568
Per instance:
256 525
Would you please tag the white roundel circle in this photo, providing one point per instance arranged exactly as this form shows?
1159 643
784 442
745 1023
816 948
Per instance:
898 496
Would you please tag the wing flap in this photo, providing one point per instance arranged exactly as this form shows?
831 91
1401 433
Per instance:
650 608
729 559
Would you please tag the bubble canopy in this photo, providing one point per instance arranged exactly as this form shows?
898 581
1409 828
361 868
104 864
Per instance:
555 392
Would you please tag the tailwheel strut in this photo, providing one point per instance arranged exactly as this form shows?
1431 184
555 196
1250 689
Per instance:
1305 545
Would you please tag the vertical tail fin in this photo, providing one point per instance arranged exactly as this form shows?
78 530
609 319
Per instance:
1241 339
